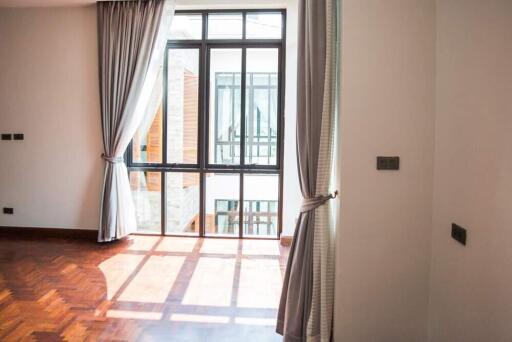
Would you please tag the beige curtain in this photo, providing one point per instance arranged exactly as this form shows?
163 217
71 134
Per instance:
127 36
306 307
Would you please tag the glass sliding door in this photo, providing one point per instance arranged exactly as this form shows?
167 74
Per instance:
182 105
224 106
182 189
207 159
261 113
182 203
146 187
261 198
222 211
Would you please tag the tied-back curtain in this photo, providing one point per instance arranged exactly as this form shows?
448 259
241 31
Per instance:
127 37
306 306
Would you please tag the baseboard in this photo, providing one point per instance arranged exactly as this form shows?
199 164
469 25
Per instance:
35 232
88 234
286 240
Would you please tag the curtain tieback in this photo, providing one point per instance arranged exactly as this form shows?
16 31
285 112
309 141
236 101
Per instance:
112 160
310 204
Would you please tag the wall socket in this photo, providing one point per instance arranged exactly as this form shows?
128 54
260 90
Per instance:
8 211
13 136
388 163
459 233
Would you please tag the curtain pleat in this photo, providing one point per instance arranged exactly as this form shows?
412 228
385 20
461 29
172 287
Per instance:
127 36
306 306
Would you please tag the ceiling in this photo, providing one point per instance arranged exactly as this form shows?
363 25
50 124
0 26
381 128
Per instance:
181 4
43 3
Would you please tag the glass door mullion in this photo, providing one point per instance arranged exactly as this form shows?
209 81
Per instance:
163 202
203 123
243 81
163 192
241 208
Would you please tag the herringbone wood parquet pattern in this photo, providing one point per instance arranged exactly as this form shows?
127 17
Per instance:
57 290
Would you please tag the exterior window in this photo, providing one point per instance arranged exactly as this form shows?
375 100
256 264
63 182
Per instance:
260 217
261 125
226 216
207 157
225 106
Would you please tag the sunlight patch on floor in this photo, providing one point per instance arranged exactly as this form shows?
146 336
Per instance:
260 247
142 242
219 246
117 269
128 314
177 244
211 283
154 281
260 283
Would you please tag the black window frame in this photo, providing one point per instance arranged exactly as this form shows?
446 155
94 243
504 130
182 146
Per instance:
202 166
272 139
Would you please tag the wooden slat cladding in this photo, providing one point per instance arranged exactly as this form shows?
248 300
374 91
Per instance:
154 149
154 138
153 153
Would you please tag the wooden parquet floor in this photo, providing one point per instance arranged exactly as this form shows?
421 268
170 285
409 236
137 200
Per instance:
145 288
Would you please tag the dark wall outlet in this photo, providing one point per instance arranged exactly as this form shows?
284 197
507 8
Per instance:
8 211
6 136
19 136
459 233
388 163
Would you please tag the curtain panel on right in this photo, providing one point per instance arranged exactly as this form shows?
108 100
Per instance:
307 299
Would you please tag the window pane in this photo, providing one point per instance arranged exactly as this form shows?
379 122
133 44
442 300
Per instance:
225 26
146 196
182 203
222 204
147 141
261 109
264 25
186 26
182 105
259 79
261 195
224 111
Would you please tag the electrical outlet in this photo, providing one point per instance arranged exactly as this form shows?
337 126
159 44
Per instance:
18 136
459 234
388 163
8 211
6 136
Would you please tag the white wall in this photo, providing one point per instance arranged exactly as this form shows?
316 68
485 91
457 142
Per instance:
387 108
471 286
49 92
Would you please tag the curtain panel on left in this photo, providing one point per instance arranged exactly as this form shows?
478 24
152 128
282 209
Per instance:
130 40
